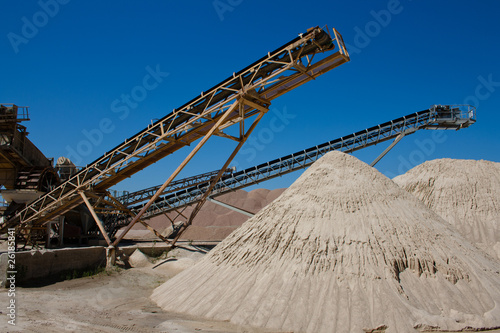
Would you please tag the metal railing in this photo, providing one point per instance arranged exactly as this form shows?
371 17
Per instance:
271 76
459 114
9 111
436 117
130 198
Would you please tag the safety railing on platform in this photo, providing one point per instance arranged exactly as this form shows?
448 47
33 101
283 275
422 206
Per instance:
273 75
130 198
9 112
436 117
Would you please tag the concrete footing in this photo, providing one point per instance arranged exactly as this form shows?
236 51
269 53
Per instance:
33 265
110 256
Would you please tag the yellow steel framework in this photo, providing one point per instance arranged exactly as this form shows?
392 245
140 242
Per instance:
241 99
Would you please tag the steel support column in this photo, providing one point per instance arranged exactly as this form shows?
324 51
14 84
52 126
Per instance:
96 218
396 140
231 207
244 137
179 169
133 215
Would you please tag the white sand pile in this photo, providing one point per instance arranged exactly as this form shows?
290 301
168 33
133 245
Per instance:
213 222
178 260
465 193
344 249
138 259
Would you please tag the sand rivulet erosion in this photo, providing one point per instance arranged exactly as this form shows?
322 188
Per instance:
344 249
466 193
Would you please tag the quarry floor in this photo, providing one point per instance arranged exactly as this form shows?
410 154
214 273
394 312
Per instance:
113 301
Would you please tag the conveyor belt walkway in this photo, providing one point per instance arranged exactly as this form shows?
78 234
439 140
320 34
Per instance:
242 98
438 117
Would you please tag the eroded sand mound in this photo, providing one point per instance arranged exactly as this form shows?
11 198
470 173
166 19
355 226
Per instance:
344 249
465 193
138 259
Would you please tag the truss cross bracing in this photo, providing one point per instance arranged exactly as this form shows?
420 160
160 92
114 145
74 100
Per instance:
436 117
252 89
130 198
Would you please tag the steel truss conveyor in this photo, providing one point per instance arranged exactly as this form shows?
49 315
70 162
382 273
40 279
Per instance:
436 117
242 99
130 198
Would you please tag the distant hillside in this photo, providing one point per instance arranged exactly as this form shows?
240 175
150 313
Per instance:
213 222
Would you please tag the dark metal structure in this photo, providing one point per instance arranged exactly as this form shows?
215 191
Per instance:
25 172
17 153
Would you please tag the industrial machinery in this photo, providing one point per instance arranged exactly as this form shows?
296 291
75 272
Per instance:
242 99
25 172
437 117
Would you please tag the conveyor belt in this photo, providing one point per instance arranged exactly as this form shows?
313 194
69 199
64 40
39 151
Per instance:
278 72
130 198
437 117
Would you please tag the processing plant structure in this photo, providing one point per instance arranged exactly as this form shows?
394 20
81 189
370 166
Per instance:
47 202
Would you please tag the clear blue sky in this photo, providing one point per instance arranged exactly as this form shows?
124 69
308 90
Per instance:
71 60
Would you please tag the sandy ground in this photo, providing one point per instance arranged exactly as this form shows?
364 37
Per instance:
116 301
343 249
